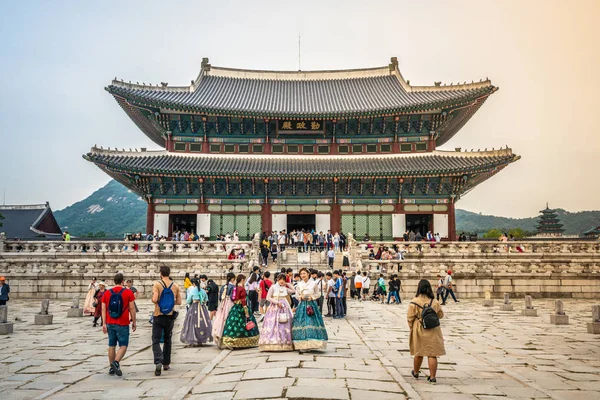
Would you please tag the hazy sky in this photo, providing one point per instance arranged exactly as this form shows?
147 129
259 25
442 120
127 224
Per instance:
56 58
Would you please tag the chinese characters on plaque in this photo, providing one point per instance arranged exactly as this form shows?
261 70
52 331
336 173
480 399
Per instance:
300 125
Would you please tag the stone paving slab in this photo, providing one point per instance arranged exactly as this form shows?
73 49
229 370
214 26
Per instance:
490 355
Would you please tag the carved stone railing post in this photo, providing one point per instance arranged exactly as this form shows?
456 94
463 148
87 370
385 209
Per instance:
2 242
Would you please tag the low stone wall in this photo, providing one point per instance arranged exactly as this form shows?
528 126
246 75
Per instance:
573 276
546 269
61 277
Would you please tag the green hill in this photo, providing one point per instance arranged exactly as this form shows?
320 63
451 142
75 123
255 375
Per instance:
114 210
110 211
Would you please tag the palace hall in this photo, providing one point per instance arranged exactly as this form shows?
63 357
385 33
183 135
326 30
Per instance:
353 150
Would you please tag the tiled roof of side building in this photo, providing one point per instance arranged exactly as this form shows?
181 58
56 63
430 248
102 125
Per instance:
393 165
346 93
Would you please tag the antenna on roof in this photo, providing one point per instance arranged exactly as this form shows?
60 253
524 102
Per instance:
299 53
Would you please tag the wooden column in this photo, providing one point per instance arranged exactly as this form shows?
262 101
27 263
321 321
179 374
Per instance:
266 218
150 218
335 219
451 222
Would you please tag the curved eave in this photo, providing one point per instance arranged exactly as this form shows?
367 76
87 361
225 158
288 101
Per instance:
144 123
466 100
123 164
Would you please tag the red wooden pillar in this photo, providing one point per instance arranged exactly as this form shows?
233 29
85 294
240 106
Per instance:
266 218
150 218
335 218
451 222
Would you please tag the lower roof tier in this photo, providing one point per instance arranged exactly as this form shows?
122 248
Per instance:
436 163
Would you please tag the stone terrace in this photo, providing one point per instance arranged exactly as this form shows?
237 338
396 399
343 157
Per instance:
491 355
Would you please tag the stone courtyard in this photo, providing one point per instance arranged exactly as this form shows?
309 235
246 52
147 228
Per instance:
491 354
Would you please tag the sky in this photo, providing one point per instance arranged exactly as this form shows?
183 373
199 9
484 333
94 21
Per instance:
57 57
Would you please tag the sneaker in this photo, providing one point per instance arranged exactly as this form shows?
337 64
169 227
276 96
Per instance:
431 380
166 367
414 375
117 367
158 369
111 371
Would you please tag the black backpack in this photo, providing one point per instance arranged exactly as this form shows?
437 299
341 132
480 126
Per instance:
429 318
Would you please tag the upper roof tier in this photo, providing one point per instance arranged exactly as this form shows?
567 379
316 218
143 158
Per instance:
303 94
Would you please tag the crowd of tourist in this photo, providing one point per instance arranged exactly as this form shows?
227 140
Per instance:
280 314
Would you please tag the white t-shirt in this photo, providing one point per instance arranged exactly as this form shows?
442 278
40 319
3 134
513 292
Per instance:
331 284
357 278
366 282
448 280
331 254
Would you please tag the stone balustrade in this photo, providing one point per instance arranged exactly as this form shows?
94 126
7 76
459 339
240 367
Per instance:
557 268
127 247
506 249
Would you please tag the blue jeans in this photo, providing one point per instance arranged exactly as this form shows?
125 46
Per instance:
117 333
449 292
339 307
395 294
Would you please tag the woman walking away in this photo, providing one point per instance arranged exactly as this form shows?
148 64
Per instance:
88 304
224 308
426 339
308 329
241 331
276 332
253 293
98 303
212 290
187 281
197 328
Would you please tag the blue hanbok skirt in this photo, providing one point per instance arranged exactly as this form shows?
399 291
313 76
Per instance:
308 331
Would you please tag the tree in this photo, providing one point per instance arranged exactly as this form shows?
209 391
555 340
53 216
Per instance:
517 233
492 234
100 234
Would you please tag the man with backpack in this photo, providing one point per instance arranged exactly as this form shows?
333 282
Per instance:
165 296
118 309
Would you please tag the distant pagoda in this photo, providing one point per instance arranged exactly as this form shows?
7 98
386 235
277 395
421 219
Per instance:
549 223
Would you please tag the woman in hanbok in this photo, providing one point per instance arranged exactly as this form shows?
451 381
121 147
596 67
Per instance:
241 331
98 303
223 309
88 304
308 329
276 332
197 328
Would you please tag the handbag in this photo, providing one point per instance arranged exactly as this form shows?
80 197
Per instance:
250 325
310 311
282 318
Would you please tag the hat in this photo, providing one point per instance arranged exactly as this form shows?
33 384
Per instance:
2 278
101 283
449 272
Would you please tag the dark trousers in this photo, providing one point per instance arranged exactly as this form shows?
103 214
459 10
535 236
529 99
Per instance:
439 292
3 302
253 297
331 306
353 293
320 304
331 262
449 292
344 305
339 307
163 324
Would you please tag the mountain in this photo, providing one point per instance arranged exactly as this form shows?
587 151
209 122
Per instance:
110 211
114 210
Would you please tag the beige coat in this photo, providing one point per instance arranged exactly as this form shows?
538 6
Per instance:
425 342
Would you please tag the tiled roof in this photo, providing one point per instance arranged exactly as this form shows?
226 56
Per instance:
425 164
301 94
23 221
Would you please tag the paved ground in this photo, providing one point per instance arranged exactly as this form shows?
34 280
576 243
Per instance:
491 355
